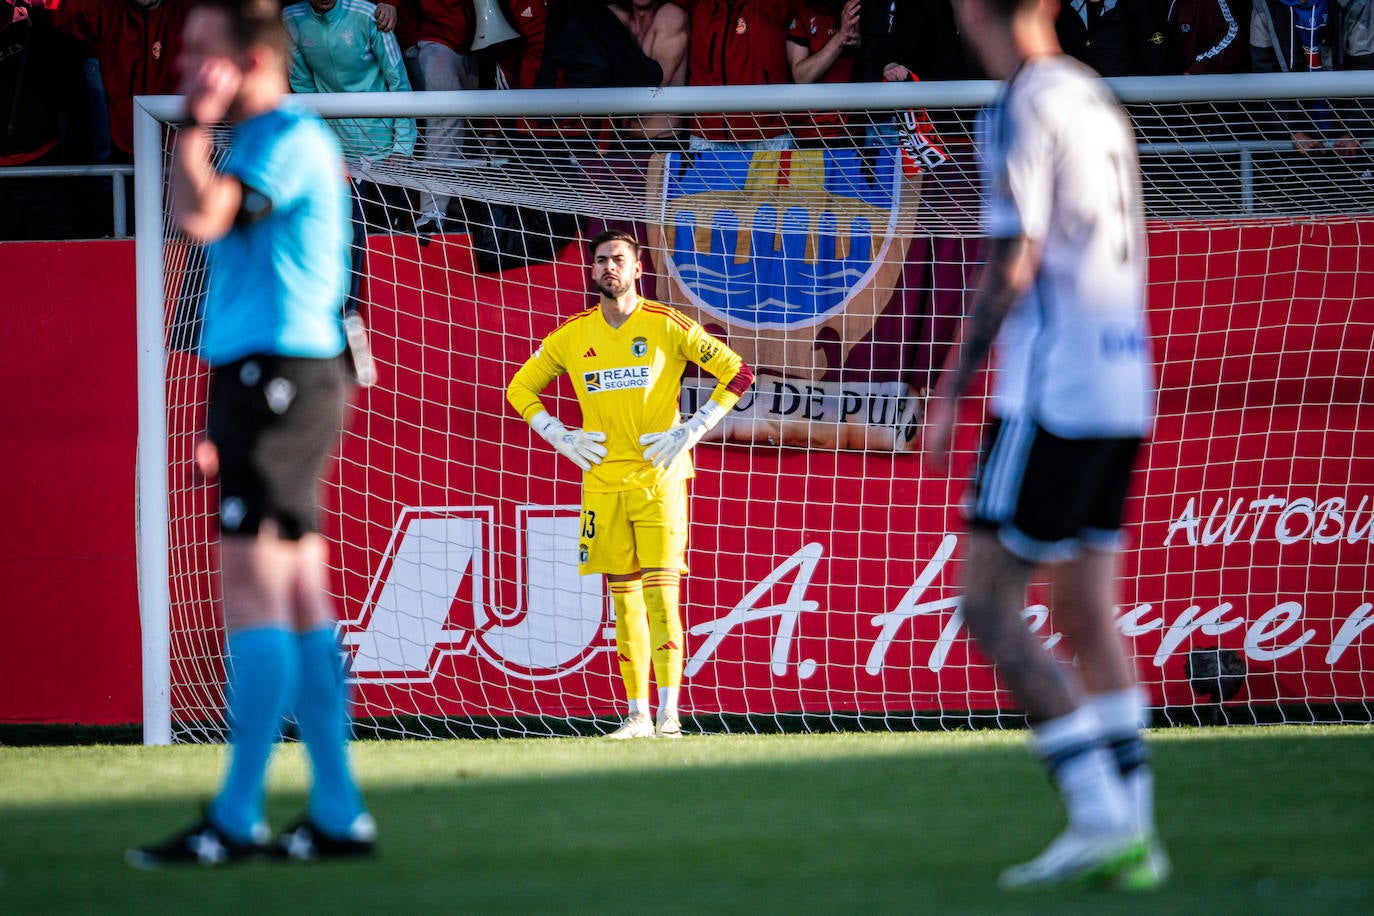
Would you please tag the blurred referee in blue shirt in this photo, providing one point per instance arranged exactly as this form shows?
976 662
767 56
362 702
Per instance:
274 215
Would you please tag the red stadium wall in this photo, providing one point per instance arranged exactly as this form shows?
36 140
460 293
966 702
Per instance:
1265 333
68 411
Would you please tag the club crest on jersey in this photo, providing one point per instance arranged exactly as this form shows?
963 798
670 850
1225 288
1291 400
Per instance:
640 347
616 379
778 239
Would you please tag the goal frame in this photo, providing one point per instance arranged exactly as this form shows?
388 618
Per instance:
153 113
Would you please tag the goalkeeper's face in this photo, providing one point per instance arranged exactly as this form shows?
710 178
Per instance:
615 269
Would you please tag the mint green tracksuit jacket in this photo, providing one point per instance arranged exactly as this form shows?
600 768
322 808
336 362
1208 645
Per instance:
342 50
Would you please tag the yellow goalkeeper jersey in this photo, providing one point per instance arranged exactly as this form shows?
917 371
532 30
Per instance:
628 382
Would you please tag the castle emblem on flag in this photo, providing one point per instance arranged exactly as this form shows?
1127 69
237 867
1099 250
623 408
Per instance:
778 239
791 257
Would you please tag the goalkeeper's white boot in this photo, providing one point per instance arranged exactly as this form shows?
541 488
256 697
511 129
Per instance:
1079 858
669 726
636 725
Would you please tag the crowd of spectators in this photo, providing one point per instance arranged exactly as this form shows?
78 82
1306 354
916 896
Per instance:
56 111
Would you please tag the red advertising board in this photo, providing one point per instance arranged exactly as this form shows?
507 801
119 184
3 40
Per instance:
820 580
68 415
824 580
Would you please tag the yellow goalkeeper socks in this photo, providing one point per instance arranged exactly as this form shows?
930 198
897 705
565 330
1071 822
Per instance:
661 590
632 638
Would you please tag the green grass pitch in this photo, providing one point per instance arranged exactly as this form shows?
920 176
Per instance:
1258 820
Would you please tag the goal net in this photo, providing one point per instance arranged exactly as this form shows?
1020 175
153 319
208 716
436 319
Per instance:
834 255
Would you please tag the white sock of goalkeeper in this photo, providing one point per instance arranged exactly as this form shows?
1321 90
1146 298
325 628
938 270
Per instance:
667 701
1120 716
1082 768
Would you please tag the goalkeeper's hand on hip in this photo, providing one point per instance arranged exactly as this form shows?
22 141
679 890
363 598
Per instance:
582 447
664 448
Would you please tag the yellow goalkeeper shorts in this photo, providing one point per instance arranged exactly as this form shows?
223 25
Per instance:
630 530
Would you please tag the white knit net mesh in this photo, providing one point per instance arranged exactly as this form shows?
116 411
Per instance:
824 562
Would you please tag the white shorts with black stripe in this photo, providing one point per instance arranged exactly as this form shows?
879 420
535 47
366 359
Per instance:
1048 497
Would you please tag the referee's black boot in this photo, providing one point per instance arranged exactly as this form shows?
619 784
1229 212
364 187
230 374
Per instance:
201 844
306 842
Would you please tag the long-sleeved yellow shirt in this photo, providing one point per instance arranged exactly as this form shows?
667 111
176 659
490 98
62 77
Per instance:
628 382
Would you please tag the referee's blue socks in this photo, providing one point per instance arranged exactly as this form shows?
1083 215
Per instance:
322 714
263 674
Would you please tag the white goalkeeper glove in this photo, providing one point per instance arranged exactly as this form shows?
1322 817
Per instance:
579 446
663 448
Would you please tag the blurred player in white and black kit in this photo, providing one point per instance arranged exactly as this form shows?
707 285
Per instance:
1062 297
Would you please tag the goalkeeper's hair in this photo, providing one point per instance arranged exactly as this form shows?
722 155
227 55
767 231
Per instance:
612 235
251 22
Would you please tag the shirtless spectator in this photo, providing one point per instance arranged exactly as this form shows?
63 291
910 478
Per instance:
662 30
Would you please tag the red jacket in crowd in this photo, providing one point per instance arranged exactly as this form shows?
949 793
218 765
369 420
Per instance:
739 43
137 47
448 22
1210 36
520 60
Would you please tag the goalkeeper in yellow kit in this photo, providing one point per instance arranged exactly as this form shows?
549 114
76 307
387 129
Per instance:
626 356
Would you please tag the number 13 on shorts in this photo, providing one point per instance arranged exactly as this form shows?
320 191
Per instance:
632 530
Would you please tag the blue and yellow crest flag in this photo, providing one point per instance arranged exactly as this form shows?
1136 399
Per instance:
813 266
778 238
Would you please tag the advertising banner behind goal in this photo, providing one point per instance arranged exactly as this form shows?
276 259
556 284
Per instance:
794 257
824 557
824 581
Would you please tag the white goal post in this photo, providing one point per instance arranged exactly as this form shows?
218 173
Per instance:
824 558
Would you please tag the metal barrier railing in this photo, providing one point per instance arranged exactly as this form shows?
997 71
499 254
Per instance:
1244 151
120 175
